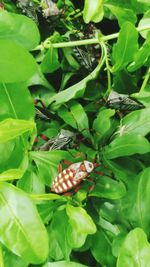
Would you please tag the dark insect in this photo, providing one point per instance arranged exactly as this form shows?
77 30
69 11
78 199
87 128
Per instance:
42 113
62 140
87 56
122 102
29 8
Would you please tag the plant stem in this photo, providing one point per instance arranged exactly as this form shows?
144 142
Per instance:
147 76
86 41
49 196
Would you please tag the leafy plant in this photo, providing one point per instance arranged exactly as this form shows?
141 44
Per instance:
87 50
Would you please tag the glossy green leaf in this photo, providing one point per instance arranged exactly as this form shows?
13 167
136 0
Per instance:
20 219
20 29
74 91
59 247
11 174
101 249
139 213
135 250
126 145
12 128
126 46
50 62
103 118
47 163
141 56
136 123
64 264
76 117
93 11
75 239
31 182
14 60
145 21
80 220
122 14
108 188
11 259
16 102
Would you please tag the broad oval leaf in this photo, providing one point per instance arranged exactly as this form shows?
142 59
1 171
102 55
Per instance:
126 145
139 212
20 104
12 128
122 14
93 11
135 250
21 228
20 29
108 188
141 56
101 249
50 62
57 236
126 46
80 220
16 63
76 117
136 122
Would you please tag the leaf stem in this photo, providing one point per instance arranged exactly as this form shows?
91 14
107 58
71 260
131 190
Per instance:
147 76
49 196
93 41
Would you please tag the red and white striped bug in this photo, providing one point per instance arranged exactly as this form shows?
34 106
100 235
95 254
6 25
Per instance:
72 176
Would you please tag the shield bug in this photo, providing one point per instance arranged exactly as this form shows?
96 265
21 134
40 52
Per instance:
72 176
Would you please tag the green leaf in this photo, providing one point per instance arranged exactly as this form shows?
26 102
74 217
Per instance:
57 235
108 188
31 182
135 250
126 46
141 56
81 225
16 102
126 145
139 212
12 128
76 90
20 29
136 122
64 264
76 117
80 220
101 249
11 174
47 163
19 218
103 118
122 14
145 21
14 60
10 259
50 62
93 11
